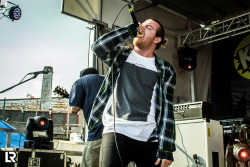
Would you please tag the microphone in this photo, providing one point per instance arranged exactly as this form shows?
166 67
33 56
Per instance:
133 16
45 71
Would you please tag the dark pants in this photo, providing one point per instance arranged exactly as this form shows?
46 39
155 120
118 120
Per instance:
142 153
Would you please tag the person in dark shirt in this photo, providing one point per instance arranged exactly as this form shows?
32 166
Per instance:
82 95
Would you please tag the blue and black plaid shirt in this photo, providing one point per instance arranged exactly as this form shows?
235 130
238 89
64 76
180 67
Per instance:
108 48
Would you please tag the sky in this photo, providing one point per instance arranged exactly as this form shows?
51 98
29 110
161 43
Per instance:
43 36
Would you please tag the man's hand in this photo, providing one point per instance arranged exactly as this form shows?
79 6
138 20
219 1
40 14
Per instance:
140 31
164 162
74 110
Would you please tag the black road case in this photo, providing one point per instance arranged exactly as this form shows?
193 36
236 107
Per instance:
32 158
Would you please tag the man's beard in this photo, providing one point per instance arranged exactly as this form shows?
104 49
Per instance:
138 44
141 44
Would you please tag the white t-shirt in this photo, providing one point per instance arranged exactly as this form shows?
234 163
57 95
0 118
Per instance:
135 112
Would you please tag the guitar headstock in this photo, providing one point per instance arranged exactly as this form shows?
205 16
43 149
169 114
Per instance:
61 92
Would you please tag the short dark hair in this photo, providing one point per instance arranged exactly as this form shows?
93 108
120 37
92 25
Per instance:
88 71
160 32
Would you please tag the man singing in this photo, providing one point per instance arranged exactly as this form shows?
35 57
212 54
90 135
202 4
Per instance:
135 101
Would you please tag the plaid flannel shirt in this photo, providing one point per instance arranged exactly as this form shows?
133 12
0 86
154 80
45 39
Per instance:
109 50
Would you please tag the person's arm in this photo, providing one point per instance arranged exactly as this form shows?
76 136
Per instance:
105 47
167 124
74 110
76 96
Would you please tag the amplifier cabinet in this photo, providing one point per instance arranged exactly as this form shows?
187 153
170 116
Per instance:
34 158
201 139
193 110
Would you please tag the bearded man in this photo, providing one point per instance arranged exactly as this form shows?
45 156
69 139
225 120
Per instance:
135 102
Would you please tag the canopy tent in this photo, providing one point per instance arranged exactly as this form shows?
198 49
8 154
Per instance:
17 139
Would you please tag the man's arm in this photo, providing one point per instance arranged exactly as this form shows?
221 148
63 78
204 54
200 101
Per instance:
77 96
167 124
74 110
107 45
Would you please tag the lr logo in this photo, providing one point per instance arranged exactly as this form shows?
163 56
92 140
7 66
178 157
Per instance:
10 157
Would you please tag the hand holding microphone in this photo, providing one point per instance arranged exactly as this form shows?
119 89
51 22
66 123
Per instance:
140 31
138 26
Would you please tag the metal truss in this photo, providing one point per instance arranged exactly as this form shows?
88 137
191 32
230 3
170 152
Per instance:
215 32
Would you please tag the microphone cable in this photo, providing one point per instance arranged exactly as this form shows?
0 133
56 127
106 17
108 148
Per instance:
113 25
113 105
113 109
